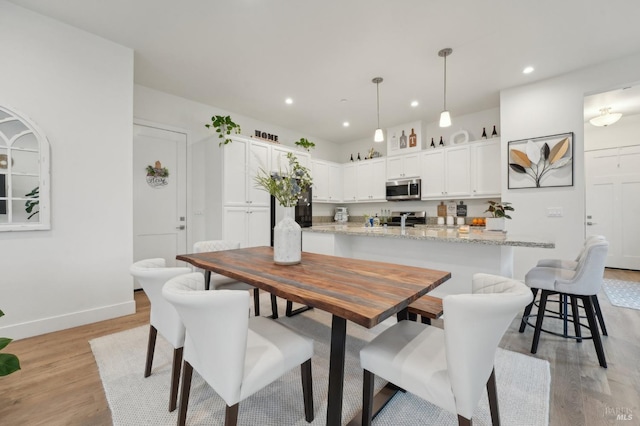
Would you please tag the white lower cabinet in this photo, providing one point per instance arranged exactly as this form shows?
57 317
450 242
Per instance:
249 226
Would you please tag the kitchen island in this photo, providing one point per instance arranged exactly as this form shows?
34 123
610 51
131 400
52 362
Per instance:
436 247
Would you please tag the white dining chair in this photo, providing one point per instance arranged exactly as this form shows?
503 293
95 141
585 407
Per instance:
151 275
215 281
449 367
236 355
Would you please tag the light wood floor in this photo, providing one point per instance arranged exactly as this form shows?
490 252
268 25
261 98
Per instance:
59 383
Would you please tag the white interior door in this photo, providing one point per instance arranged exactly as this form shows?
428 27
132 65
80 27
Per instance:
613 203
159 201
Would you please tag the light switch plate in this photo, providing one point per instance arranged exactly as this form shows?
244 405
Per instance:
554 212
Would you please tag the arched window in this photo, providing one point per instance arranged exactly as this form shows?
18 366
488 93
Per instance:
24 174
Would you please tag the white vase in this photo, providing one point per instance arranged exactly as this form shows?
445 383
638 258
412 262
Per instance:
494 224
287 240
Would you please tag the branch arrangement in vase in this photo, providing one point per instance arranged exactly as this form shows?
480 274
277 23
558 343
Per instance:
286 186
224 126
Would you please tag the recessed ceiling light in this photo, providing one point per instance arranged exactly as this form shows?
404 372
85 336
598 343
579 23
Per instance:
343 100
288 101
527 70
414 103
345 124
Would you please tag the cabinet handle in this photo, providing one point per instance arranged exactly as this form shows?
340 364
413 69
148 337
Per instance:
181 227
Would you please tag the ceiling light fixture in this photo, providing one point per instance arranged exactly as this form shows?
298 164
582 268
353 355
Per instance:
414 104
378 135
605 118
445 117
527 70
345 124
288 101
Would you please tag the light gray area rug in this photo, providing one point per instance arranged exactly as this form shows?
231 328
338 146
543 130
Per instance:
625 294
523 385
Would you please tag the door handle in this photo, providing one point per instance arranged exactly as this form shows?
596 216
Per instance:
591 223
181 227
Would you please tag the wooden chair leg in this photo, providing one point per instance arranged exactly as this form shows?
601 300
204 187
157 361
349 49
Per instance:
576 318
175 378
307 390
256 302
492 392
231 415
527 311
595 332
463 421
151 346
596 305
540 317
187 372
367 397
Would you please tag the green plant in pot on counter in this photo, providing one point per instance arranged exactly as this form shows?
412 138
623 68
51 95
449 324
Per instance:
9 363
498 210
305 143
224 126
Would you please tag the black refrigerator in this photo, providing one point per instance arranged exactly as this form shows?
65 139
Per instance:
303 211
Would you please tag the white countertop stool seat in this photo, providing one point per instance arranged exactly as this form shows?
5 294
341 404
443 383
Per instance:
220 282
236 355
151 275
580 284
449 368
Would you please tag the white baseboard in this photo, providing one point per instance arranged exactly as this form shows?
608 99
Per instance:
63 322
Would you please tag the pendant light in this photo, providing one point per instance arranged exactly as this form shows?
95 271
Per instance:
605 118
378 135
445 117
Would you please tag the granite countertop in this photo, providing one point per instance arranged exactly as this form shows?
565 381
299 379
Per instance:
441 233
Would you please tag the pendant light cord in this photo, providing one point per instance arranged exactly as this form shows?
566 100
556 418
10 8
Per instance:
445 82
378 101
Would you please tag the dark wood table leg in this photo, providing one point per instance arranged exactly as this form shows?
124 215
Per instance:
336 371
207 279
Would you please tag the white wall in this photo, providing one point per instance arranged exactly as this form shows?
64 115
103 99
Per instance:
78 88
205 155
545 108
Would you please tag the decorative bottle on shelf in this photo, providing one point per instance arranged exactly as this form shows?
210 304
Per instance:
461 209
441 143
442 209
359 157
451 208
433 144
351 157
494 133
484 133
413 139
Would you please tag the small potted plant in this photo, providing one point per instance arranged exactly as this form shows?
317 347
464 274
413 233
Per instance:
498 212
224 126
306 144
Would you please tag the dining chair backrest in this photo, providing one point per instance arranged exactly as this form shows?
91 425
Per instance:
214 245
587 242
474 326
217 326
587 278
152 274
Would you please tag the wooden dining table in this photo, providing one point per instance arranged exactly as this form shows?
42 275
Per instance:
361 291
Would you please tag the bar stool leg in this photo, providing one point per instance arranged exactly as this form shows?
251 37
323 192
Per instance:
541 308
576 318
564 312
596 305
595 332
527 311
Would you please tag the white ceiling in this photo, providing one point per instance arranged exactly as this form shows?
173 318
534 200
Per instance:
247 56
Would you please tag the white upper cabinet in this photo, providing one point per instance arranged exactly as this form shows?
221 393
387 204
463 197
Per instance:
403 166
445 173
485 169
280 162
327 181
349 182
242 161
371 180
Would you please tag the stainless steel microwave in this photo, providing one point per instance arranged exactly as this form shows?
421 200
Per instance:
400 190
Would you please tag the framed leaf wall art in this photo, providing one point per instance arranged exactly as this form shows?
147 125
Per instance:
541 162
